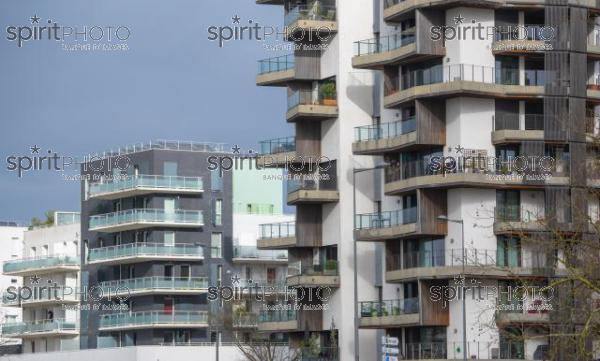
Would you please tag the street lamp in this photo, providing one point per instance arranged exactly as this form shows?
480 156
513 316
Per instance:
355 171
464 301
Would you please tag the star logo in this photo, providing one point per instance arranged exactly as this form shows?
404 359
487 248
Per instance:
35 19
236 19
35 279
35 149
235 279
459 19
236 149
459 149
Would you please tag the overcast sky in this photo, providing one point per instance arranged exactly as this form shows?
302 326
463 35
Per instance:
171 83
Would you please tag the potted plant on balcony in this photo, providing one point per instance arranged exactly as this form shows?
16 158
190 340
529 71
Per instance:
331 266
328 94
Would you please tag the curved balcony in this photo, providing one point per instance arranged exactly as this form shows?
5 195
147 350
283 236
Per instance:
277 152
508 129
302 275
385 137
420 175
312 188
41 265
133 186
44 328
144 252
397 10
133 219
153 319
450 263
278 321
386 225
277 235
305 105
251 254
390 313
312 21
154 285
519 39
390 50
442 81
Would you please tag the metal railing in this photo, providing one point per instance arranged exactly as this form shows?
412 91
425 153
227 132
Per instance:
517 213
386 219
277 316
150 318
161 144
153 283
385 130
468 72
275 64
313 182
390 3
146 215
252 252
278 145
384 44
245 320
40 263
277 230
505 121
147 181
389 307
313 11
145 249
54 325
299 268
454 350
309 97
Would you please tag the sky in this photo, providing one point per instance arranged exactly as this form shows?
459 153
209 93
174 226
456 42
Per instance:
171 83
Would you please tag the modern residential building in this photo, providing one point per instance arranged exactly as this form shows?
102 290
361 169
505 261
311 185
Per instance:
46 290
11 234
526 88
157 223
258 202
327 98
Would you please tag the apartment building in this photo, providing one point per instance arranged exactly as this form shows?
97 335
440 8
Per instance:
327 98
530 92
157 231
44 283
258 201
11 234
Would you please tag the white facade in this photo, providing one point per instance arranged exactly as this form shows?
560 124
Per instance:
12 248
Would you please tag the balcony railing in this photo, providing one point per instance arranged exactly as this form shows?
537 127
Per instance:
389 308
153 283
384 44
468 72
146 216
390 3
244 320
24 328
386 219
512 121
278 230
160 144
279 145
299 268
40 263
517 213
276 64
277 316
312 182
385 130
151 318
145 249
313 11
147 181
453 351
251 252
308 97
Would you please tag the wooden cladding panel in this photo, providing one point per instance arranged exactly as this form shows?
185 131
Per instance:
308 139
307 64
431 122
424 20
309 225
432 203
432 313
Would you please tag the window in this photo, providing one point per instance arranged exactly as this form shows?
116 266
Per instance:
218 219
169 238
216 181
170 168
185 272
168 271
216 244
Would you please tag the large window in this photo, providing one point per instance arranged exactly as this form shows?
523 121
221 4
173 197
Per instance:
216 245
218 212
509 252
